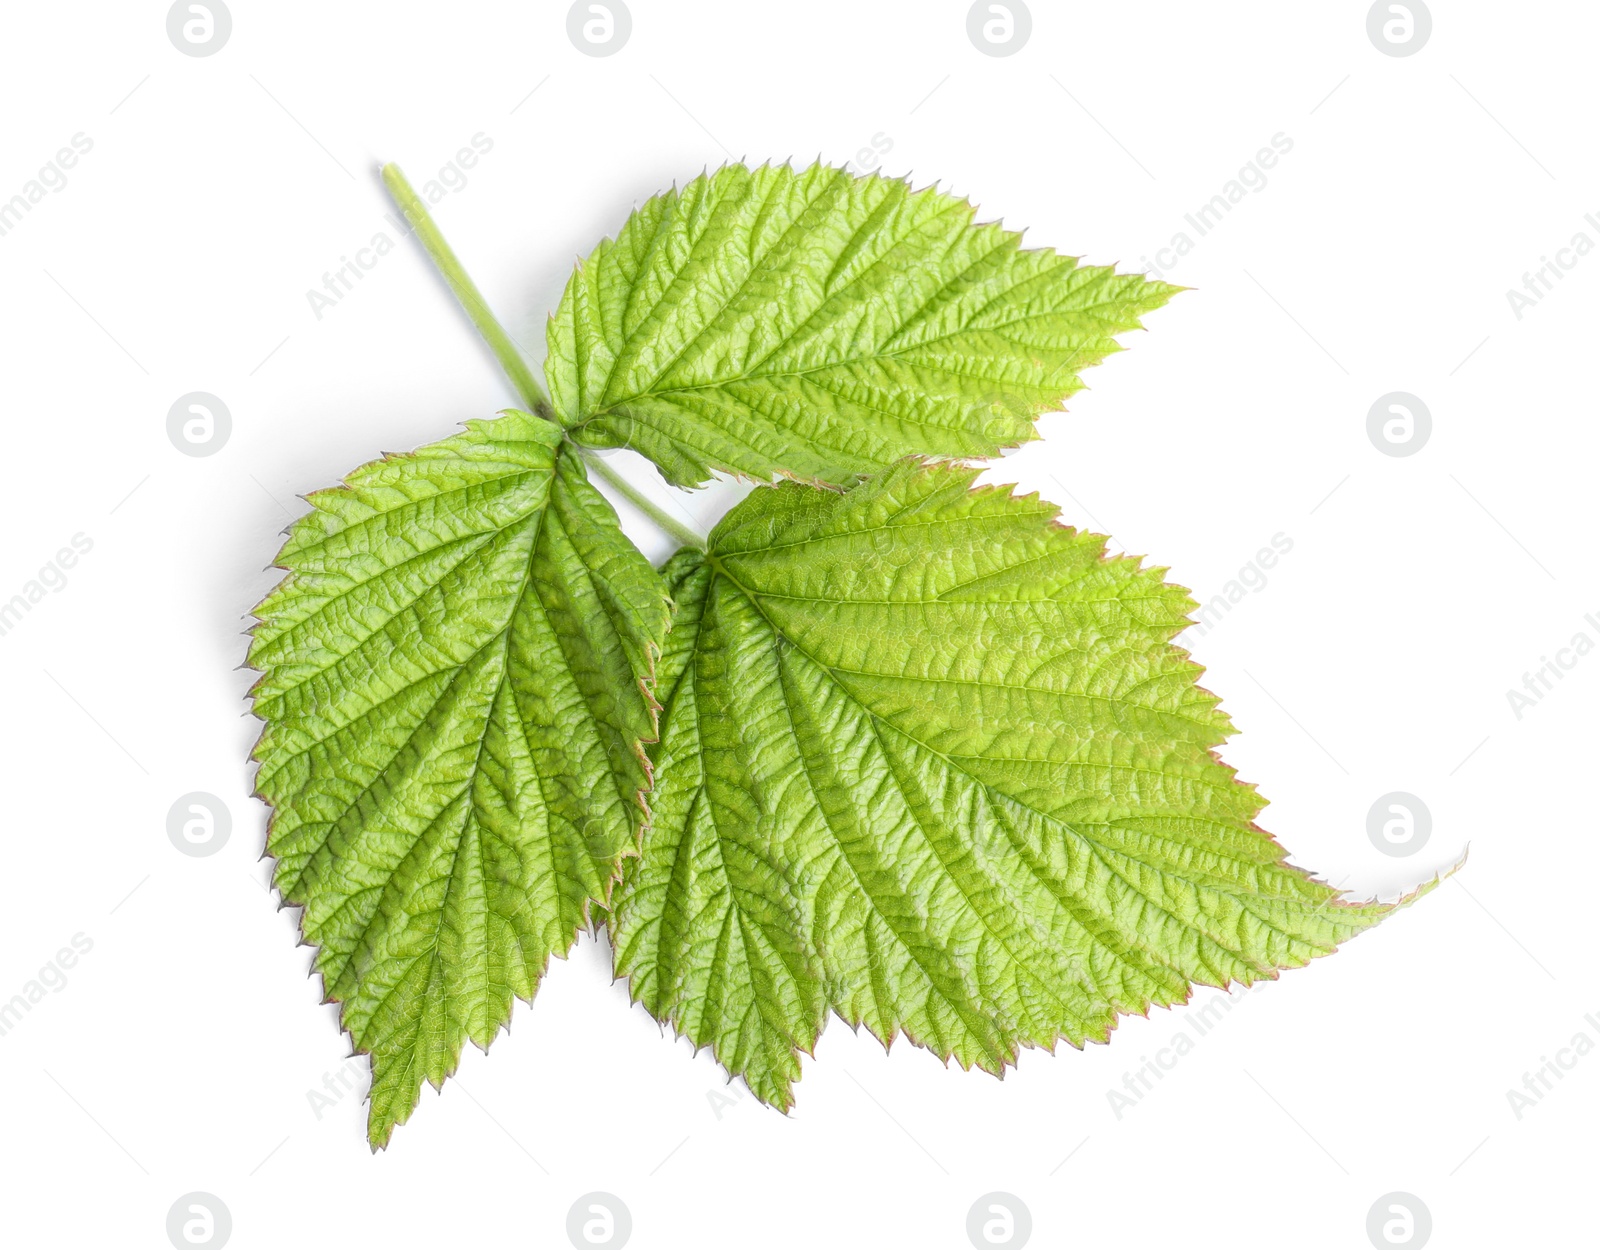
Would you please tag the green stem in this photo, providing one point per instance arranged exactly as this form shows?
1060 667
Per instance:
505 347
685 535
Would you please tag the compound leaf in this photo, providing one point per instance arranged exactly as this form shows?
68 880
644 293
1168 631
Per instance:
820 325
455 684
929 759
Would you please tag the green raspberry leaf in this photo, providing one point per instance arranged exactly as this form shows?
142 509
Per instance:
456 689
818 325
929 759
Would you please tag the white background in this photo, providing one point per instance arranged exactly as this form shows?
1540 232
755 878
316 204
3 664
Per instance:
179 1055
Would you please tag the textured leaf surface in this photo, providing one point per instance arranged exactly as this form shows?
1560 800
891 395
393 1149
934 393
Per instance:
454 685
928 759
820 325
